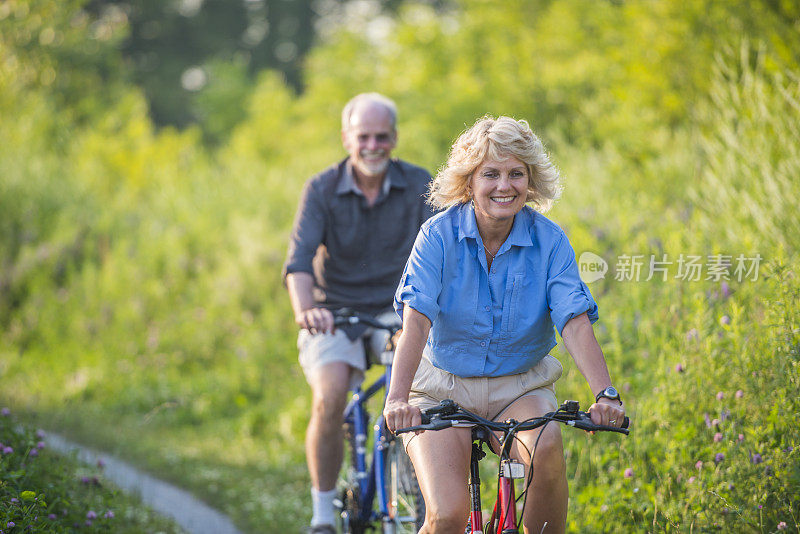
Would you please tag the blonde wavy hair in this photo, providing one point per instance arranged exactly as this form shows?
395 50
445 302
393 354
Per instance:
497 139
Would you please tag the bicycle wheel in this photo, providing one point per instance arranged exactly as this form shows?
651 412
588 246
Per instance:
406 506
350 495
349 522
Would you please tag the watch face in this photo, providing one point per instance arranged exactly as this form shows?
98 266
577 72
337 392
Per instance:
612 392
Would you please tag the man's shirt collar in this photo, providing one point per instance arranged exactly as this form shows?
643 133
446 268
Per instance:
394 178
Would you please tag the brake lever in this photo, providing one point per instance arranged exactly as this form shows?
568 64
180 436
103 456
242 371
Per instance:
446 407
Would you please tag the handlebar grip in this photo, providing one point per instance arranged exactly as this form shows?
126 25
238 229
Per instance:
585 423
436 424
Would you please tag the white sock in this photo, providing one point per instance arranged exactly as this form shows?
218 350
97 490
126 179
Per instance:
322 502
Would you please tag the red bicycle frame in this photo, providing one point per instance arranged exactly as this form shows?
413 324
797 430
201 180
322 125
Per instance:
507 502
505 510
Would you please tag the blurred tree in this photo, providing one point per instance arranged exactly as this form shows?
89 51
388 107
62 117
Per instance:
56 48
172 46
196 59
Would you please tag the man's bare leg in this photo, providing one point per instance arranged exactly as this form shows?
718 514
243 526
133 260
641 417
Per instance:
329 387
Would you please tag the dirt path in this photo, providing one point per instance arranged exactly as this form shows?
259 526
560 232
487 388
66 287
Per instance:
192 515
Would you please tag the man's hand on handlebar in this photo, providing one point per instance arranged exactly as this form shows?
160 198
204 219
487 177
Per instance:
607 412
399 414
316 320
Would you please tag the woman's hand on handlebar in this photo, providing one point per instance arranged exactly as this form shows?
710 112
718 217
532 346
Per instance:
607 412
400 414
315 320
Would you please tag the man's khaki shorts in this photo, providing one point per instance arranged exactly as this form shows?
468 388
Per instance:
317 350
485 396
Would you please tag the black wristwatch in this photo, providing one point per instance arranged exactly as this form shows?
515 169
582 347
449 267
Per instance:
609 393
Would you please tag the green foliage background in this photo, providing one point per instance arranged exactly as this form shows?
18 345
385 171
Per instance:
140 297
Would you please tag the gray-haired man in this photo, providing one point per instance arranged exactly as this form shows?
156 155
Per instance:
353 231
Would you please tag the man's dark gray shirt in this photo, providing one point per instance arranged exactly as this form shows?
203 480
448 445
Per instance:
357 252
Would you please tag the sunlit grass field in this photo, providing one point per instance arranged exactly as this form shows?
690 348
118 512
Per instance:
143 312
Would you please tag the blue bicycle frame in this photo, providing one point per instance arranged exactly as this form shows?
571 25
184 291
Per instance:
388 476
371 479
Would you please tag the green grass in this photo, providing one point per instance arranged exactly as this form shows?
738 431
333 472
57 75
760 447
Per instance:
712 382
41 491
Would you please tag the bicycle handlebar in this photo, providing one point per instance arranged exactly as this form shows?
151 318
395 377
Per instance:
449 413
346 316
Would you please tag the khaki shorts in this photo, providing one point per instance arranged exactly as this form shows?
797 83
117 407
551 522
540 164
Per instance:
485 396
317 350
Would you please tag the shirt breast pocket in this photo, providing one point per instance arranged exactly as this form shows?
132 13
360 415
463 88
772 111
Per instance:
511 304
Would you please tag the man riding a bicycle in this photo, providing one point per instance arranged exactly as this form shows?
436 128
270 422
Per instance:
353 231
487 282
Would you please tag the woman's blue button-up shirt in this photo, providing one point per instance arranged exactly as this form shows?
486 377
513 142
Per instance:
492 322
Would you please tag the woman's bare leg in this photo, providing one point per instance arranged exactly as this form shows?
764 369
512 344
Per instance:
441 461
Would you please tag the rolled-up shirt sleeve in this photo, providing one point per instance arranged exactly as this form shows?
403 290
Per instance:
421 282
307 232
567 295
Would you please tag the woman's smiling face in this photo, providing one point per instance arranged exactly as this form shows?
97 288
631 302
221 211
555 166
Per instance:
499 189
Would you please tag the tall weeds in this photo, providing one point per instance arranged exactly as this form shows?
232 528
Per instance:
748 135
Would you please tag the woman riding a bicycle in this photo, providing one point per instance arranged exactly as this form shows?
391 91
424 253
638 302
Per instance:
487 282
